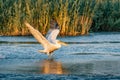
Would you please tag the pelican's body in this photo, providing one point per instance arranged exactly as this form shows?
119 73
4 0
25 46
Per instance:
49 43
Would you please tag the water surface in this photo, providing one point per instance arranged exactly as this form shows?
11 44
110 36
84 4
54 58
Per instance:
96 55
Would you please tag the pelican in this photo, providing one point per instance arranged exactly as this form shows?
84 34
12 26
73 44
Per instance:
50 43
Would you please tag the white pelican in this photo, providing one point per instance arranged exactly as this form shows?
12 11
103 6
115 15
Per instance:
49 43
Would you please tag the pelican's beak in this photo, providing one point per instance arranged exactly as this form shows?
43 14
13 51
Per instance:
62 43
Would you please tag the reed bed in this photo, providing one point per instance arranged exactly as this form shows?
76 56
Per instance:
75 17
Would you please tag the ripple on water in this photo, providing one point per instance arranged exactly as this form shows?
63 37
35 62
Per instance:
1 56
56 77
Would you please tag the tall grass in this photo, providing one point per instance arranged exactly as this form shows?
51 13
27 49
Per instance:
75 17
107 16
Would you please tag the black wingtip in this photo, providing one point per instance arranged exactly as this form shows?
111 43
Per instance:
54 24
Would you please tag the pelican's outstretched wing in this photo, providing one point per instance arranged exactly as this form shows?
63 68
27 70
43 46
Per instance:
52 34
38 36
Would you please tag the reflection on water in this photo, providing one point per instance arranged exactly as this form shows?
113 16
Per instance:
47 66
51 66
94 67
56 67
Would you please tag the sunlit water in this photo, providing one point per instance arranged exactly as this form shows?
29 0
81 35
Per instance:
95 56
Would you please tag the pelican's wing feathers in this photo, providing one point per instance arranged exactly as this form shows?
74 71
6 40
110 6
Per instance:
38 36
52 33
